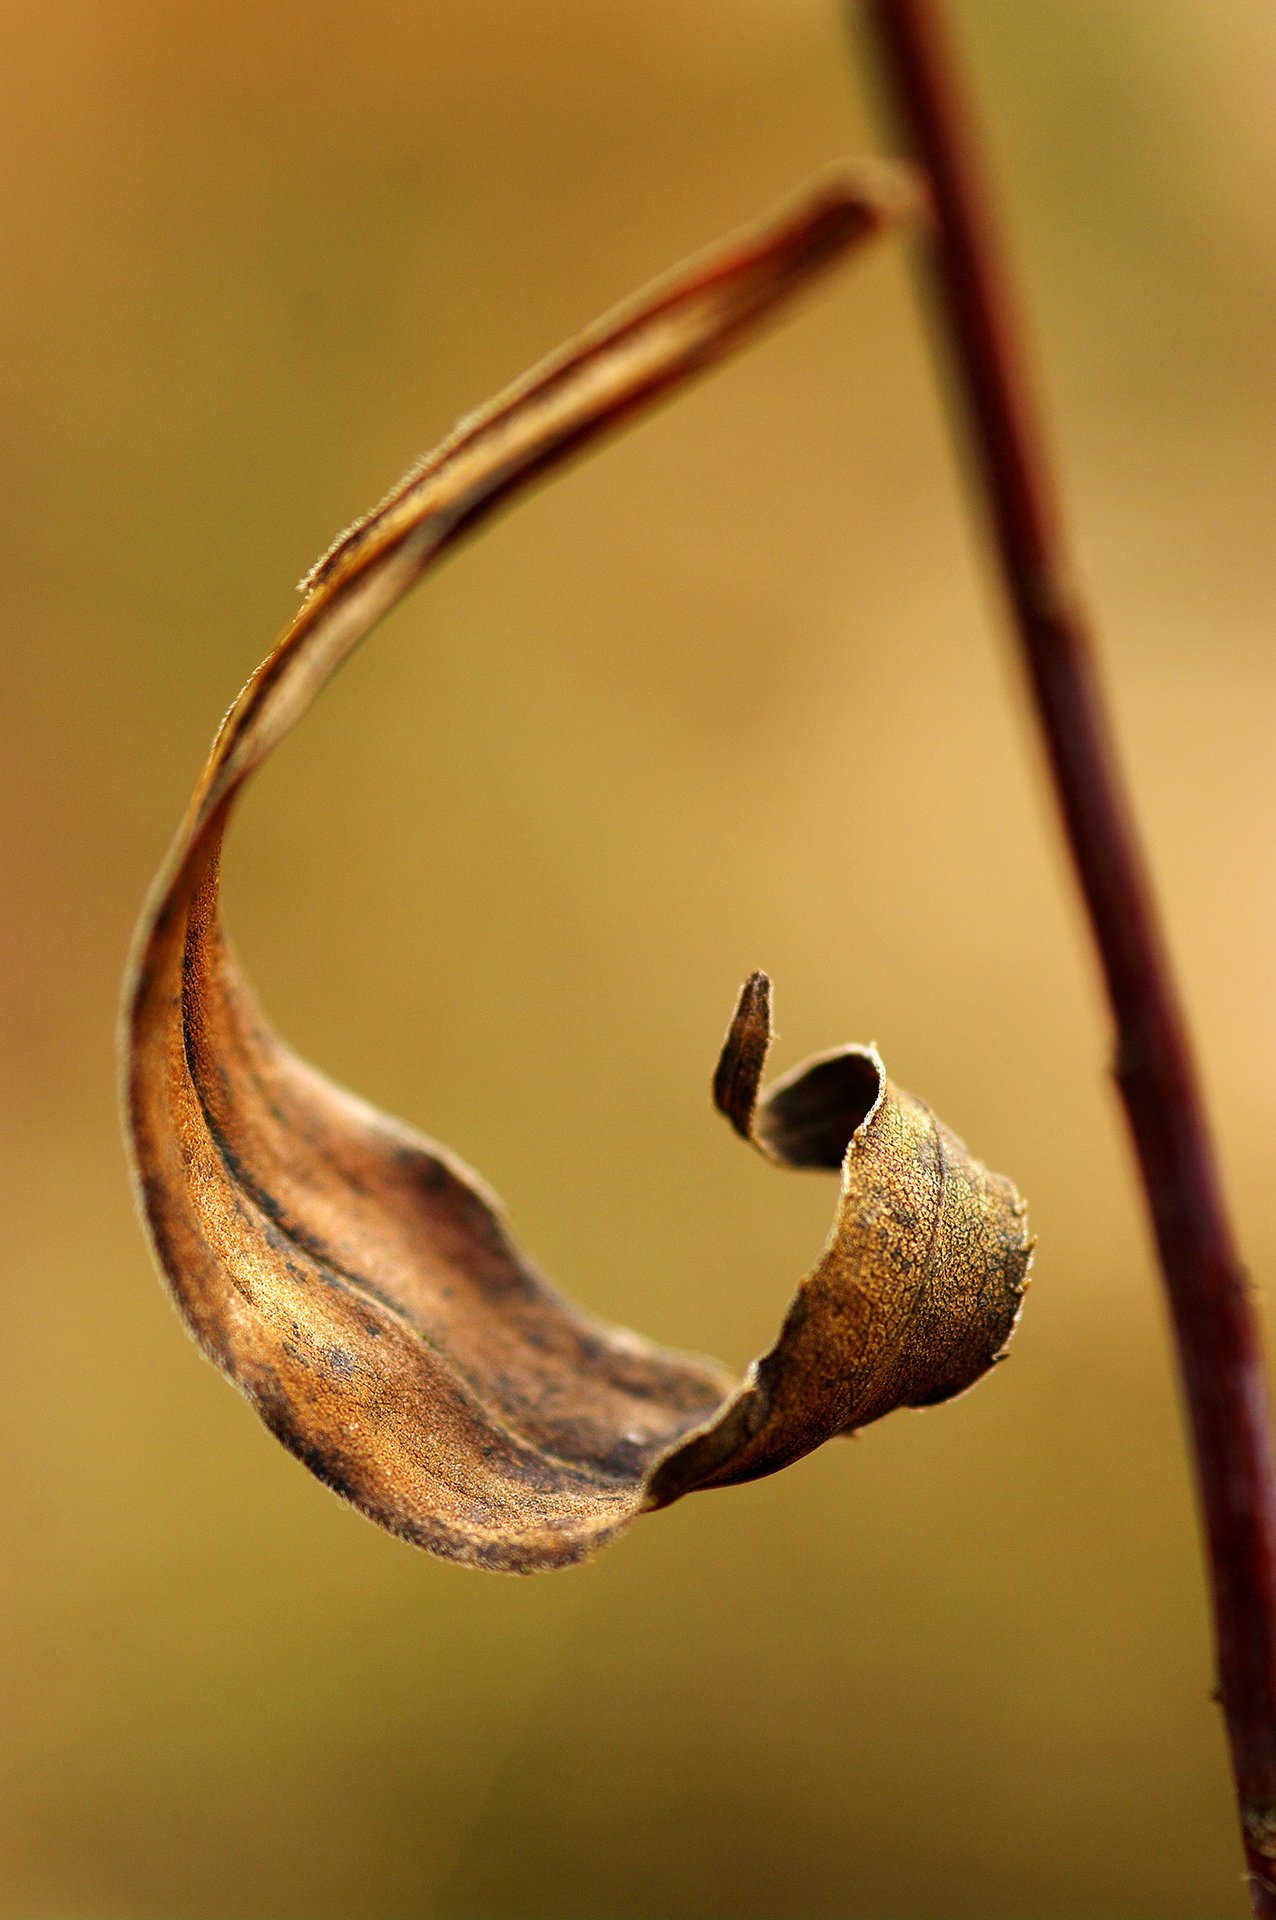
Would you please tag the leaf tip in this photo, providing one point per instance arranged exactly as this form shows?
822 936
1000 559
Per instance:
740 1065
871 193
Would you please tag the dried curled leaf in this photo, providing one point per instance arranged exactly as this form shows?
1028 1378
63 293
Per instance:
354 1280
916 1292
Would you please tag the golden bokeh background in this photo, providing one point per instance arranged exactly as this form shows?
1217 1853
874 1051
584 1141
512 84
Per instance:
735 692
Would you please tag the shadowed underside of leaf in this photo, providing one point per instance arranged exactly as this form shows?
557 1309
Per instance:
353 1279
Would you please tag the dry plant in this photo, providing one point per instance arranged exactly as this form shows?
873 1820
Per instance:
353 1279
359 1285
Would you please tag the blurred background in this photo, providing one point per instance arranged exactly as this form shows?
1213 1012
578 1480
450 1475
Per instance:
735 693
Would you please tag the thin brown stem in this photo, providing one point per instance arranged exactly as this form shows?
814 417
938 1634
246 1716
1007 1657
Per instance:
1215 1327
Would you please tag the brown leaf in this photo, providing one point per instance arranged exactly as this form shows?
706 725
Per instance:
918 1288
354 1280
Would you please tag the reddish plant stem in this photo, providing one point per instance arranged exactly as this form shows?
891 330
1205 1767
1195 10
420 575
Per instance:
1215 1327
